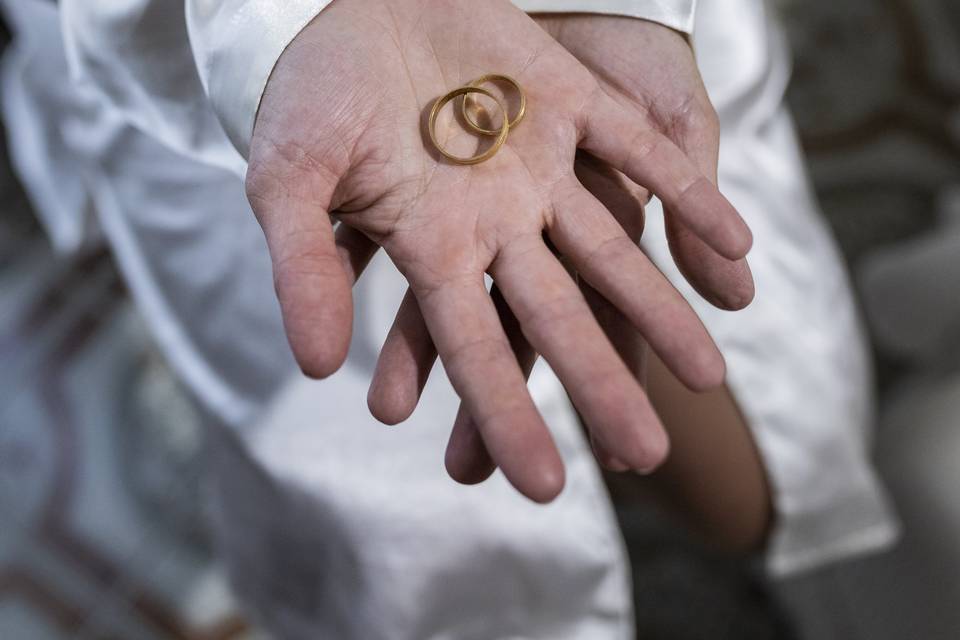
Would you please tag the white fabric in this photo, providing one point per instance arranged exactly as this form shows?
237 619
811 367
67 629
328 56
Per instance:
318 478
358 533
180 230
136 53
676 14
331 530
797 359
236 44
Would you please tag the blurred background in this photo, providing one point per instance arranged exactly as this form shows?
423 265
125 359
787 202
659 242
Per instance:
101 519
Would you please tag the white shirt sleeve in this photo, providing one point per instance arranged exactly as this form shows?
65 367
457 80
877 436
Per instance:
236 43
676 14
135 56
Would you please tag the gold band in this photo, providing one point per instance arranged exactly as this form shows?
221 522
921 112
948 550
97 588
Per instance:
492 77
486 155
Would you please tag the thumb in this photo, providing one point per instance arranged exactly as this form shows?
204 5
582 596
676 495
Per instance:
312 285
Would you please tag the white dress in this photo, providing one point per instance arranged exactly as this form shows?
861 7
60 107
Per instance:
333 525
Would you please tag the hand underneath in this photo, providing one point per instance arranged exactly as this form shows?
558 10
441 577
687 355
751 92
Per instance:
651 70
340 132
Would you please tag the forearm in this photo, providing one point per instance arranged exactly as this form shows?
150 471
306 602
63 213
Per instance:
714 479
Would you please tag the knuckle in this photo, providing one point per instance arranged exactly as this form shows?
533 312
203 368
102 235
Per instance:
292 266
704 120
613 385
279 170
499 419
562 310
614 250
711 120
643 146
306 263
691 198
649 453
289 156
520 246
262 187
478 351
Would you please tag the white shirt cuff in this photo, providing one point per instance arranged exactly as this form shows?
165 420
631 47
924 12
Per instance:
237 43
676 14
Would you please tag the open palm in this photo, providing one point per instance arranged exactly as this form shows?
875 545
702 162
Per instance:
340 132
651 70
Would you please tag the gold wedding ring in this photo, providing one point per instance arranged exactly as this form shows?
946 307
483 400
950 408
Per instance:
494 77
501 133
477 159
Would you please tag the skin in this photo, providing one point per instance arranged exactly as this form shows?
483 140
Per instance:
376 67
713 480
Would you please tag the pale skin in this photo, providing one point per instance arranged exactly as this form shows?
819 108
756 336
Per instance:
340 131
714 479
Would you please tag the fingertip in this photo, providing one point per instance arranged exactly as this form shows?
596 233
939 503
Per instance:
534 467
655 451
403 366
727 296
389 402
538 474
547 484
726 284
317 318
614 464
607 460
642 448
741 239
321 357
715 219
735 236
697 361
467 460
465 471
742 297
707 372
735 240
318 370
391 412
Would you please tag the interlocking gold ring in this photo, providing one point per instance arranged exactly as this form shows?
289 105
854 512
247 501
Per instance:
492 77
486 155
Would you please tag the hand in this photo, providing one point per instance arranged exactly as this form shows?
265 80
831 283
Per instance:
338 133
650 69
